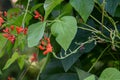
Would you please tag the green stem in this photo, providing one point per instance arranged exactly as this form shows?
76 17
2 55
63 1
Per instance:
113 56
107 16
99 23
94 30
98 58
43 66
72 52
103 6
87 29
23 21
90 27
23 73
112 21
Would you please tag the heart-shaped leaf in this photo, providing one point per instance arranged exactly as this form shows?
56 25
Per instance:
64 29
83 7
110 74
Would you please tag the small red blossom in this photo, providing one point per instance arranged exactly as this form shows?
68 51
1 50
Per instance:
25 31
5 13
34 57
37 14
12 27
42 42
47 39
6 30
41 47
1 21
10 37
19 30
6 35
48 49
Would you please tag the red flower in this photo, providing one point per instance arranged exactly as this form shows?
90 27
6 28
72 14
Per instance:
45 45
6 30
1 21
25 31
5 13
12 27
34 57
47 39
19 30
9 37
37 14
41 47
6 35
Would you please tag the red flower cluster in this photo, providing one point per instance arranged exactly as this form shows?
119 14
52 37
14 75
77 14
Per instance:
8 35
1 21
33 57
45 45
38 16
21 29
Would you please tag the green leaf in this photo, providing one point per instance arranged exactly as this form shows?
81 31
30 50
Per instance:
11 60
92 77
62 76
69 61
35 33
8 47
110 74
54 70
17 20
36 7
64 29
67 9
11 12
2 46
21 61
82 74
83 7
111 6
80 37
117 12
49 5
0 72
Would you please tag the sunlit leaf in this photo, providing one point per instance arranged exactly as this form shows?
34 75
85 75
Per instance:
35 33
11 60
110 74
64 30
